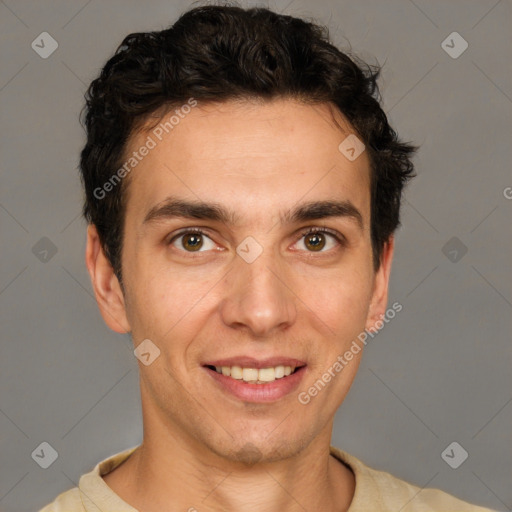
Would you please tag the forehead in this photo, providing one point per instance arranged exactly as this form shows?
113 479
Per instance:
253 156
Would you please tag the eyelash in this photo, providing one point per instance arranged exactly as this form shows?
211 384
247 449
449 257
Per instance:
337 236
309 231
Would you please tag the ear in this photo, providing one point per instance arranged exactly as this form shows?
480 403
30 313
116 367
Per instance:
379 300
107 289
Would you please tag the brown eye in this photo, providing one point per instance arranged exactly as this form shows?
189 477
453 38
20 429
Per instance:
192 241
320 240
315 241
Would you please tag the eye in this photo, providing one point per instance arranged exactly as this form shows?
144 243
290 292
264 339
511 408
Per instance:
320 240
192 240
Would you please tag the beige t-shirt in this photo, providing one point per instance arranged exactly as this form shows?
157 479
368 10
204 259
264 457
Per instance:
375 491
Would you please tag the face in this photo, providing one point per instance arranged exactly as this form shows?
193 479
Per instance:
247 248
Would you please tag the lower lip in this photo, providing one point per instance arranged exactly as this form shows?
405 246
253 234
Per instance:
260 393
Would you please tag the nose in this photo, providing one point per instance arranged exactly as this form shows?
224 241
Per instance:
258 298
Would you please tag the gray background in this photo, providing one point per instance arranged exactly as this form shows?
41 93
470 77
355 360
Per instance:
438 373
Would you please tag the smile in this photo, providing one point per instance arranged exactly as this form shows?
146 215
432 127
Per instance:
255 375
257 381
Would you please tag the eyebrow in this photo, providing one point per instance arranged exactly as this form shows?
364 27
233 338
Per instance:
178 208
315 210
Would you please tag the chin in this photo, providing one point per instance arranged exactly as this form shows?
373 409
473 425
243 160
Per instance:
248 451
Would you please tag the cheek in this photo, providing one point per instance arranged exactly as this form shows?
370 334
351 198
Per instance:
166 302
340 300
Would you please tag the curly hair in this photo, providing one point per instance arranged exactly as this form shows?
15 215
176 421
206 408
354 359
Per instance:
220 53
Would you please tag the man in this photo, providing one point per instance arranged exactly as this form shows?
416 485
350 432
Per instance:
242 190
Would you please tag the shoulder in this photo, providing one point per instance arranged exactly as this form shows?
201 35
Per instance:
379 488
92 493
68 501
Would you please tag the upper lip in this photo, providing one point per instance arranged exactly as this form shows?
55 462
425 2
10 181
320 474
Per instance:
251 362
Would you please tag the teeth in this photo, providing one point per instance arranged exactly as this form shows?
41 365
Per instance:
266 374
236 372
255 375
249 374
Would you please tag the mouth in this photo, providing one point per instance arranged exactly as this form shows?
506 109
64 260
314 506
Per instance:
260 376
256 381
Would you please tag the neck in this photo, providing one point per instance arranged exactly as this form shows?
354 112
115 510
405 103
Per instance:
171 471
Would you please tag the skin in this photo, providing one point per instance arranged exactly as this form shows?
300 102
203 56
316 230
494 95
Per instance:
203 448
